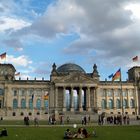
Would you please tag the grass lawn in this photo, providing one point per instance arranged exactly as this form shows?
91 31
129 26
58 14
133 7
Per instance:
56 133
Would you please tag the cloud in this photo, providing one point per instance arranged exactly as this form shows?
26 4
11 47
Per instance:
13 24
22 60
106 30
13 43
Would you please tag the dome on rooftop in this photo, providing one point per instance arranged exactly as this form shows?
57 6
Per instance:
70 67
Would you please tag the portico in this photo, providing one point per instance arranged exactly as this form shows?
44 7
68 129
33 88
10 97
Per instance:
75 98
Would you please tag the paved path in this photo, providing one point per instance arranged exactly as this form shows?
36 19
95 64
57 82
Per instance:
132 122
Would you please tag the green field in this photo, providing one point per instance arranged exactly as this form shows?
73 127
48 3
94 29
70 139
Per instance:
56 133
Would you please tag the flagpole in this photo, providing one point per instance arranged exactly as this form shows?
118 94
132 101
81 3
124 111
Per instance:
121 93
33 105
135 87
48 109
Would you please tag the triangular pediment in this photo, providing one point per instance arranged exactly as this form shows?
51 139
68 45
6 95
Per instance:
75 78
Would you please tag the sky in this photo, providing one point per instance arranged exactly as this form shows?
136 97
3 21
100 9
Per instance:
37 33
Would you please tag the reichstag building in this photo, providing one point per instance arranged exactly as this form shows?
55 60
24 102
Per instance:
70 91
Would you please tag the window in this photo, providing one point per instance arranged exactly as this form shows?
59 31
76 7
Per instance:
38 113
1 91
46 104
103 104
118 104
102 93
1 104
14 114
109 93
125 104
124 93
30 114
31 92
23 103
21 114
132 103
131 92
15 103
116 93
110 104
15 92
30 104
22 93
38 104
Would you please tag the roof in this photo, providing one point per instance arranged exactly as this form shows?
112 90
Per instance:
70 67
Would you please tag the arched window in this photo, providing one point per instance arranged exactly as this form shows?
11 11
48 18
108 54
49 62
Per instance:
38 104
15 103
30 104
110 103
46 104
23 103
1 91
103 104
125 103
132 103
118 104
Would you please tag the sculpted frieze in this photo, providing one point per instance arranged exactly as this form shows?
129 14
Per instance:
74 78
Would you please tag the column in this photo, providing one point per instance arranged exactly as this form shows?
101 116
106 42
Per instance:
56 99
80 99
114 102
88 99
121 99
136 100
71 100
42 99
34 98
18 98
6 100
64 99
128 104
106 99
27 98
95 98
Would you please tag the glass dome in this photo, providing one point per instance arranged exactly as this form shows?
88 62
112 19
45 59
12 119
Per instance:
70 67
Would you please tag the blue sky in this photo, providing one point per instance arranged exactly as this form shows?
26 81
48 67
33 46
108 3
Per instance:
37 33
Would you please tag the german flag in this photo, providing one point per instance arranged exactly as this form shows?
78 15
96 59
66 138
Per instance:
17 74
135 58
117 75
3 55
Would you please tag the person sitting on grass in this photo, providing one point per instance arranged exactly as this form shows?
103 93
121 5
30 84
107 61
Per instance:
68 134
85 133
81 133
3 132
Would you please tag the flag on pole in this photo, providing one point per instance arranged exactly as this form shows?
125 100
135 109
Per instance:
135 58
3 55
110 76
17 74
117 75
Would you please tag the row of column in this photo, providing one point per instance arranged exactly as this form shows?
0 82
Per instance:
121 98
87 93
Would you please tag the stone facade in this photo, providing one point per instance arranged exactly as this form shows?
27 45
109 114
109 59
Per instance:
71 91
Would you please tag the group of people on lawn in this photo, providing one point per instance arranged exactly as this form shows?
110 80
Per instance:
3 132
80 134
